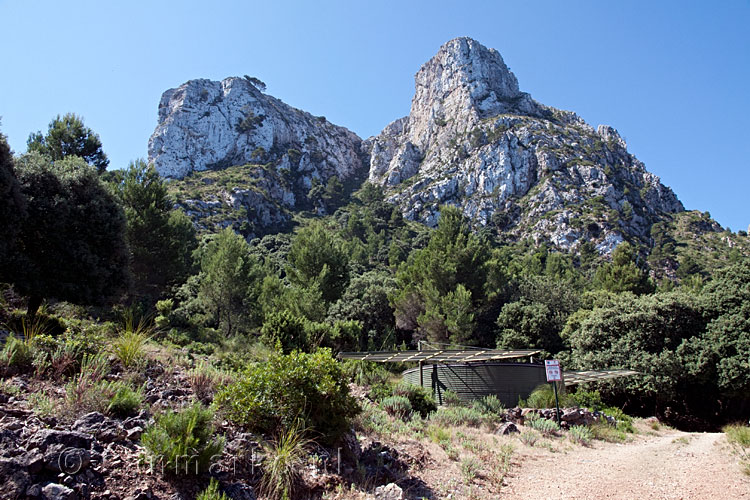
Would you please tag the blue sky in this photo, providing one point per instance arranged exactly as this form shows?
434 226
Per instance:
672 77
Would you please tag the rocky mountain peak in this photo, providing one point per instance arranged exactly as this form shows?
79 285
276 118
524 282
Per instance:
465 73
474 140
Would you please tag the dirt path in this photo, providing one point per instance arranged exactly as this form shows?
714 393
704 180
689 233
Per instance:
672 465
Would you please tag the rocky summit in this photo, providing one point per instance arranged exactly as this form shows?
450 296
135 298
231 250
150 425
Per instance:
474 140
206 125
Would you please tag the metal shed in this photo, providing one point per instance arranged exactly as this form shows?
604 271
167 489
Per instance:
474 373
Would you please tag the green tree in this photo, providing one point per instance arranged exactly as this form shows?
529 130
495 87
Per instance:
526 325
658 335
623 274
161 239
73 240
12 212
230 279
68 136
453 257
366 300
316 257
727 340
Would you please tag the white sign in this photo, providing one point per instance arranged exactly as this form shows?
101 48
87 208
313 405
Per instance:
552 367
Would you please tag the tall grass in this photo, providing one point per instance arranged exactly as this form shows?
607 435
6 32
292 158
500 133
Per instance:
738 436
284 457
128 347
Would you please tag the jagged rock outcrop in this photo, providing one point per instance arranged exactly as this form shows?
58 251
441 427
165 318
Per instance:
474 140
208 125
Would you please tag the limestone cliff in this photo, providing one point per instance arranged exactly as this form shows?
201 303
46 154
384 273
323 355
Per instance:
474 140
206 125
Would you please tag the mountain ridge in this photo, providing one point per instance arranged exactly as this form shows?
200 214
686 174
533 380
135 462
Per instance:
472 139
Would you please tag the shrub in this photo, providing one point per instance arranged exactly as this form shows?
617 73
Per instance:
529 438
379 392
365 372
204 379
17 353
545 426
489 405
420 398
124 401
470 466
624 422
458 415
605 432
42 404
182 442
544 397
284 457
212 492
273 395
450 398
580 434
397 406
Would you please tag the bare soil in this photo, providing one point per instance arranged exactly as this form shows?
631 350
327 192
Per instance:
664 465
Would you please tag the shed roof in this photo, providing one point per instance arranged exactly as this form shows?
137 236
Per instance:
437 355
574 377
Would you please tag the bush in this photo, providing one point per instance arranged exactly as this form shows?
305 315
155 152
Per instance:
529 438
605 432
397 406
273 395
182 442
450 398
124 401
458 415
212 492
580 434
365 372
543 425
544 397
420 398
489 405
17 353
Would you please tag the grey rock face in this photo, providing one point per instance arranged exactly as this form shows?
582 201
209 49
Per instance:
208 125
205 124
474 140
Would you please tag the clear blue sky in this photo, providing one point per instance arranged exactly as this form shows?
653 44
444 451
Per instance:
672 76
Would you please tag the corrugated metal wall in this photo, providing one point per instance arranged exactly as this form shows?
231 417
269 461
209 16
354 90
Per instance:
508 381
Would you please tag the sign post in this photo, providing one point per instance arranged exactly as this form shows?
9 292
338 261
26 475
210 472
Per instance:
554 375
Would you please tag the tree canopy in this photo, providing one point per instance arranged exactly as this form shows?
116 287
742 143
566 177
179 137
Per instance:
68 136
73 243
161 240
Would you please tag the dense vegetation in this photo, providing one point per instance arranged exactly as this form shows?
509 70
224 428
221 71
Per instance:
365 278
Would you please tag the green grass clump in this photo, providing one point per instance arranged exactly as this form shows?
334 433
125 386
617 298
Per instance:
128 348
212 492
17 353
529 438
284 458
397 406
470 467
605 432
182 442
738 436
580 434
